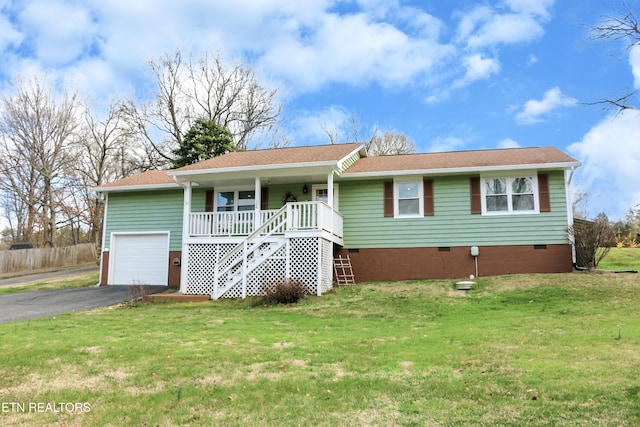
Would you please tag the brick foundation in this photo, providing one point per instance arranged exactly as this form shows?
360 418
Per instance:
457 262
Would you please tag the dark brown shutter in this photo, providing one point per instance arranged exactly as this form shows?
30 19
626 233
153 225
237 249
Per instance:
208 201
264 198
388 198
543 192
476 202
427 185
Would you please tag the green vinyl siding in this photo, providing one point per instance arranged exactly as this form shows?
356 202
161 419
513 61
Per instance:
276 193
142 211
361 204
198 199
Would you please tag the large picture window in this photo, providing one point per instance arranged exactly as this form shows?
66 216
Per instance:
504 195
229 201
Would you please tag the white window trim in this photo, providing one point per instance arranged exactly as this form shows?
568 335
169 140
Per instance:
520 174
236 190
396 196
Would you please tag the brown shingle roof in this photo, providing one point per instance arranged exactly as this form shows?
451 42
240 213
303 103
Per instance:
155 177
276 156
366 165
461 160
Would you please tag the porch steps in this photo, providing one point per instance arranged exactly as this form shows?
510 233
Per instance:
260 255
175 297
343 271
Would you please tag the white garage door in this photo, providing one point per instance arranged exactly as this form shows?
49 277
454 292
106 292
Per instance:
139 259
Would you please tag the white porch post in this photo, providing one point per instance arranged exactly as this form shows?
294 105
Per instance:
330 189
258 201
186 211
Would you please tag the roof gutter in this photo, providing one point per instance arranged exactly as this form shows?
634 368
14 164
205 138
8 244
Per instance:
573 169
177 181
461 170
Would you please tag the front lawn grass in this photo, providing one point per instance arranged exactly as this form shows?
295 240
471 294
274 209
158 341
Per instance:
84 280
621 259
535 350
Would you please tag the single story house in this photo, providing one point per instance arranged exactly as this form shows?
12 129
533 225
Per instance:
230 226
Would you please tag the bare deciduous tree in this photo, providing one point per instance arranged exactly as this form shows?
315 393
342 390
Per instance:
108 149
390 143
37 127
202 88
379 144
621 27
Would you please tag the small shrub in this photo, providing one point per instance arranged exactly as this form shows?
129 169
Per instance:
285 292
592 239
139 293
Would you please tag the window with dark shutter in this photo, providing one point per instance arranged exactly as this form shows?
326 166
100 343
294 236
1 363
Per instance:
388 199
428 197
543 193
476 197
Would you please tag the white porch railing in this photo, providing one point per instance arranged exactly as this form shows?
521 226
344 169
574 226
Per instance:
220 224
305 216
301 216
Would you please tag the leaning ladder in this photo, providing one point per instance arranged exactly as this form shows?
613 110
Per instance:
343 271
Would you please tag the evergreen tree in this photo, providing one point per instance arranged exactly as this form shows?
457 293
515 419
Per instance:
204 140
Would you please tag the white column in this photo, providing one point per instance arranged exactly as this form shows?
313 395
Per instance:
258 201
330 189
186 211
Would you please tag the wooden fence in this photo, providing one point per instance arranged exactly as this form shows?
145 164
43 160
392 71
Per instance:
43 258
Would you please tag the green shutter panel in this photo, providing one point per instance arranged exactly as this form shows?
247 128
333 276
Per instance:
476 202
388 199
543 193
428 197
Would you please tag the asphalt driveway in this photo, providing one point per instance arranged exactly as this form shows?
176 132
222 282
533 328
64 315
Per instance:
30 305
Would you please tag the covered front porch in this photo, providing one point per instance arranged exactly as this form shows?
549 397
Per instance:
243 234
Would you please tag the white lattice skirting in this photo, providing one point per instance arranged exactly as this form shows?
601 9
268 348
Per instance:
308 259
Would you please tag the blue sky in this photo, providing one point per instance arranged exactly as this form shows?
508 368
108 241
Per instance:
452 75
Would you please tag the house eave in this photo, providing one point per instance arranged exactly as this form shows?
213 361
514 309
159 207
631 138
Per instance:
461 170
281 169
142 187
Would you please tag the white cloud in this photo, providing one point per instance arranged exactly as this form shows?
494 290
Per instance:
610 155
355 50
506 29
508 143
634 61
442 144
534 109
483 27
59 32
531 7
311 127
303 46
478 68
9 35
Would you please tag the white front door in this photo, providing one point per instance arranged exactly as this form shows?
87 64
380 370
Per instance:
321 194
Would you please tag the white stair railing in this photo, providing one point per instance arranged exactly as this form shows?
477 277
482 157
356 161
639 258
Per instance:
236 261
